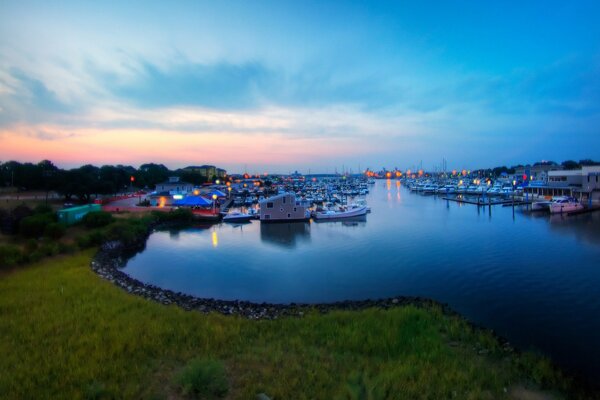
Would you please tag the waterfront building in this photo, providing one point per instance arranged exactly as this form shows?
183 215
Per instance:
538 172
583 184
283 207
169 191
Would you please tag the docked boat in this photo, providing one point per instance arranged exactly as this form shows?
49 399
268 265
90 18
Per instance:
237 217
565 204
340 213
542 205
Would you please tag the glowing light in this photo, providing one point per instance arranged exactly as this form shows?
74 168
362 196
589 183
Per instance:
464 172
453 172
531 178
177 196
420 172
388 175
196 192
217 181
460 182
214 196
514 183
228 184
215 239
162 201
132 178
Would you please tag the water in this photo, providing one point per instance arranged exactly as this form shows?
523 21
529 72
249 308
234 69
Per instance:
535 279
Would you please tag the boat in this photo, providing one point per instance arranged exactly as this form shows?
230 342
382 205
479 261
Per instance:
238 217
341 213
542 205
565 204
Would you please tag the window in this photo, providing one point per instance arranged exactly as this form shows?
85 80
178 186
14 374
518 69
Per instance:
268 216
289 215
284 200
294 209
270 204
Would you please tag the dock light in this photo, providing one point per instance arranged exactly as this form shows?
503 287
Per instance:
228 184
217 181
460 182
177 196
196 192
531 178
514 183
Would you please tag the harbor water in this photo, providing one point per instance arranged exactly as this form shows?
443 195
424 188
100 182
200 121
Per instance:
533 278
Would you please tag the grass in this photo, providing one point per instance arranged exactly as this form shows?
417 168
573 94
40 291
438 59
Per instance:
66 333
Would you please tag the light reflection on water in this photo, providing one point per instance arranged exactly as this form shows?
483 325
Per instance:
534 278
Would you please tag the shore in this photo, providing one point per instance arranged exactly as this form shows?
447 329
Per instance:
67 333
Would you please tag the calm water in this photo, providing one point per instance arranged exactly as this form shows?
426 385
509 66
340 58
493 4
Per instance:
534 279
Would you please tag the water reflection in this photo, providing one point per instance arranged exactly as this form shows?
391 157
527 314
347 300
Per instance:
285 234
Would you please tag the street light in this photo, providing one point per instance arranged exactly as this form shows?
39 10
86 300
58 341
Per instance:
214 197
229 190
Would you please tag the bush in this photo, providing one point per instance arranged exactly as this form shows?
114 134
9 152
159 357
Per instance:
203 378
97 219
54 230
35 225
94 238
128 231
66 248
10 255
43 209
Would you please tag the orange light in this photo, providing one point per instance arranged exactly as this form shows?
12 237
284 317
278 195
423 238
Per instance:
388 175
132 178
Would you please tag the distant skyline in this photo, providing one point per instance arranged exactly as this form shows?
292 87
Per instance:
278 86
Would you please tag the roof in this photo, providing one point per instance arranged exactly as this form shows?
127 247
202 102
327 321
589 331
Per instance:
193 201
277 196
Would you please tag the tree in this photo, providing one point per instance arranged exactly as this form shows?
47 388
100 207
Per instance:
570 164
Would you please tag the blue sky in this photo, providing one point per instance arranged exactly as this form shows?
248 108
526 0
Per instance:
278 86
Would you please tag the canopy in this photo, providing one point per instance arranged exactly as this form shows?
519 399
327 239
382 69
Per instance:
217 192
193 201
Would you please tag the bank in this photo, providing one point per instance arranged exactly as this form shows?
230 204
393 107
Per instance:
67 333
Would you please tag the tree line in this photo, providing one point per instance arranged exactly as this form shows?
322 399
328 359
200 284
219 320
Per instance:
88 180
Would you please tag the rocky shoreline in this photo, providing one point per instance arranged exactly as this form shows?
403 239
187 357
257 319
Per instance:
113 255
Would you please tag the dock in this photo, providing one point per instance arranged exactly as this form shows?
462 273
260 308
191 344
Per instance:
584 211
503 203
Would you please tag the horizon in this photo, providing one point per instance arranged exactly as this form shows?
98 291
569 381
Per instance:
282 86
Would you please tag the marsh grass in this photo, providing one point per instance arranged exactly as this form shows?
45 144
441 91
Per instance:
66 333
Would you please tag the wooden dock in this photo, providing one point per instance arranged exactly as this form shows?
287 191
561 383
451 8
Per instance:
479 202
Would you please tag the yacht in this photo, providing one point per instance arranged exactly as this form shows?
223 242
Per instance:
565 204
342 212
237 217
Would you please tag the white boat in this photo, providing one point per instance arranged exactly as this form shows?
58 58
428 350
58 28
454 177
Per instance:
341 213
542 205
237 217
565 204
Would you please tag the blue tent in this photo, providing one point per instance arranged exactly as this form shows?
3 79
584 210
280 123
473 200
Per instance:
193 201
217 192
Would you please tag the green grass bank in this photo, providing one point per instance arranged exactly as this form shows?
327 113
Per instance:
66 333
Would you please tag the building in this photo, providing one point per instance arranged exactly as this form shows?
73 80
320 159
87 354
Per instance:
174 186
283 208
167 192
539 172
207 171
584 184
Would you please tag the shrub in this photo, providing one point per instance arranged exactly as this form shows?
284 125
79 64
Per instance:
66 248
128 231
203 378
48 249
91 239
54 230
34 225
10 255
97 219
43 209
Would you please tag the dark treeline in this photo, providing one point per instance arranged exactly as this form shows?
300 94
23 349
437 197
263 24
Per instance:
88 180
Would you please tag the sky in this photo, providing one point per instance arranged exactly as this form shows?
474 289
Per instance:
278 86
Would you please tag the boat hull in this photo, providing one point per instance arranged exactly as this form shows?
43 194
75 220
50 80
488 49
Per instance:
341 214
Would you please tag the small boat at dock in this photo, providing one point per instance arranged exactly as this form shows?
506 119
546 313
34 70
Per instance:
341 213
237 217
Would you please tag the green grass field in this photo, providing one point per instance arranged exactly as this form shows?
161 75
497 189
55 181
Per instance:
66 333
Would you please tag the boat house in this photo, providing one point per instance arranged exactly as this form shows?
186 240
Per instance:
583 184
283 207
